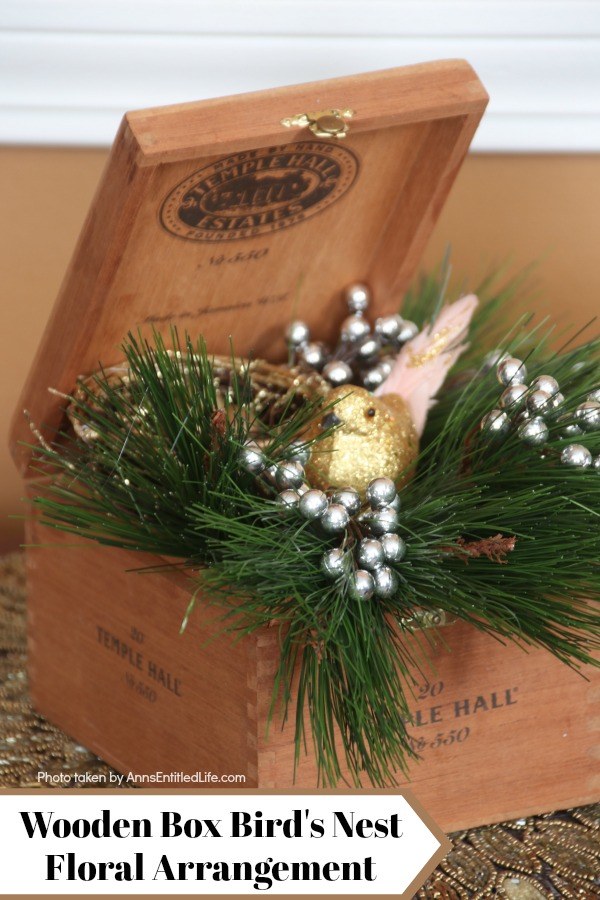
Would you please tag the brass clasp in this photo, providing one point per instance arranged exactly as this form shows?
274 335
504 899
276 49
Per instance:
329 123
427 618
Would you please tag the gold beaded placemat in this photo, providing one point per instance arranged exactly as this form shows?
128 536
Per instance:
554 855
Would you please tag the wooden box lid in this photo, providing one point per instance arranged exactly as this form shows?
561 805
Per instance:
220 219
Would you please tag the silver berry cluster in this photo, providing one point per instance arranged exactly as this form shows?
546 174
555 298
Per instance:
527 408
363 355
286 476
368 567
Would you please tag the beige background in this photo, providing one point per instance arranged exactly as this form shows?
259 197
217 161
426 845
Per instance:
517 208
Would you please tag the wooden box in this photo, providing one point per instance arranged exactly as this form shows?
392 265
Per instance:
172 238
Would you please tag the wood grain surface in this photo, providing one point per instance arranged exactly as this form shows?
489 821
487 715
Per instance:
411 130
502 733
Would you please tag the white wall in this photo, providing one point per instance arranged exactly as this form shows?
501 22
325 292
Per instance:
70 68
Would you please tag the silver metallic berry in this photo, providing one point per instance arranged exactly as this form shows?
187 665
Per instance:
335 519
314 354
407 332
333 563
576 455
539 402
349 498
362 585
251 458
394 548
588 415
290 474
386 582
383 521
288 499
513 394
300 452
337 373
370 554
357 297
381 492
354 329
388 327
534 432
511 371
297 333
545 383
385 365
373 378
313 504
369 348
495 423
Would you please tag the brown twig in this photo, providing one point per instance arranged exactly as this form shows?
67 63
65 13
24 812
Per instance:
495 548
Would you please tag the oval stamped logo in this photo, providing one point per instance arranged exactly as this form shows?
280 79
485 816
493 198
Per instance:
259 191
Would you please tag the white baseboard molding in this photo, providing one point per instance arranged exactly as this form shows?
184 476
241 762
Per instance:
68 70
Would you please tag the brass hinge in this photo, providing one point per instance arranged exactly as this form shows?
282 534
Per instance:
329 123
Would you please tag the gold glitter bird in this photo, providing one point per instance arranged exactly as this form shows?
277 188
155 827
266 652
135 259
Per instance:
378 434
372 436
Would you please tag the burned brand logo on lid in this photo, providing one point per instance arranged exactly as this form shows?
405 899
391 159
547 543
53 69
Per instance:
259 192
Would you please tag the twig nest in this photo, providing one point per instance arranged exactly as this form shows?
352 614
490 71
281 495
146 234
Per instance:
375 436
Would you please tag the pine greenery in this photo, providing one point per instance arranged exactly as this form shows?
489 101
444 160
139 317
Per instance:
163 477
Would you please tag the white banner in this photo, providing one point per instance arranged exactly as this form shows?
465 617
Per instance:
60 843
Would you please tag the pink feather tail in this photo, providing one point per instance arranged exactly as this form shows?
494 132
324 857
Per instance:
423 363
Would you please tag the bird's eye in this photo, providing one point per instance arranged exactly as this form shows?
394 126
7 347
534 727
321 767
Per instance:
371 412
